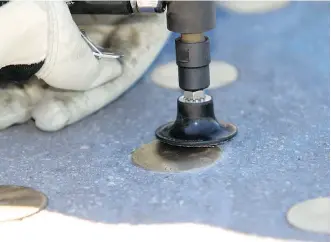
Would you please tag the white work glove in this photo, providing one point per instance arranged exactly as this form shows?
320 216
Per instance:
79 84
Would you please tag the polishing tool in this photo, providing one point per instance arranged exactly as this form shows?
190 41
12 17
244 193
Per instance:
195 124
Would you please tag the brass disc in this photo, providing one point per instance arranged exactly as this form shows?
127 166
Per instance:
160 157
18 202
311 215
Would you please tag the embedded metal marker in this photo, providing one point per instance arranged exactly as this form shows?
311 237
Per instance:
159 157
18 202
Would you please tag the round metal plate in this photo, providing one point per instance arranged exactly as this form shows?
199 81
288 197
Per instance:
311 215
18 202
160 157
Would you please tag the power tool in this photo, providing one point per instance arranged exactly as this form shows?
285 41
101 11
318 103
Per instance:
196 124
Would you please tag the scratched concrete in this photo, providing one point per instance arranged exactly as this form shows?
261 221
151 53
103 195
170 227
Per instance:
280 156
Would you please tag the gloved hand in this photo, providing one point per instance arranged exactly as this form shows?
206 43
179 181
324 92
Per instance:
78 84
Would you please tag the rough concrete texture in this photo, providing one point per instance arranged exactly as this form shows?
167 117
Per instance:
280 156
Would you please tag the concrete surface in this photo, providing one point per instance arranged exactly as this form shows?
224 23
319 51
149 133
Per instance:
280 156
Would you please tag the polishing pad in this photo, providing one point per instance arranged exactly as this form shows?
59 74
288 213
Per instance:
195 126
223 132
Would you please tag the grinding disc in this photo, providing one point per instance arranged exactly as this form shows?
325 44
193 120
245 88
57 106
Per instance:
160 157
18 202
311 215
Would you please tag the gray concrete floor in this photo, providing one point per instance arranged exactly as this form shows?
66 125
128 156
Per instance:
280 104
